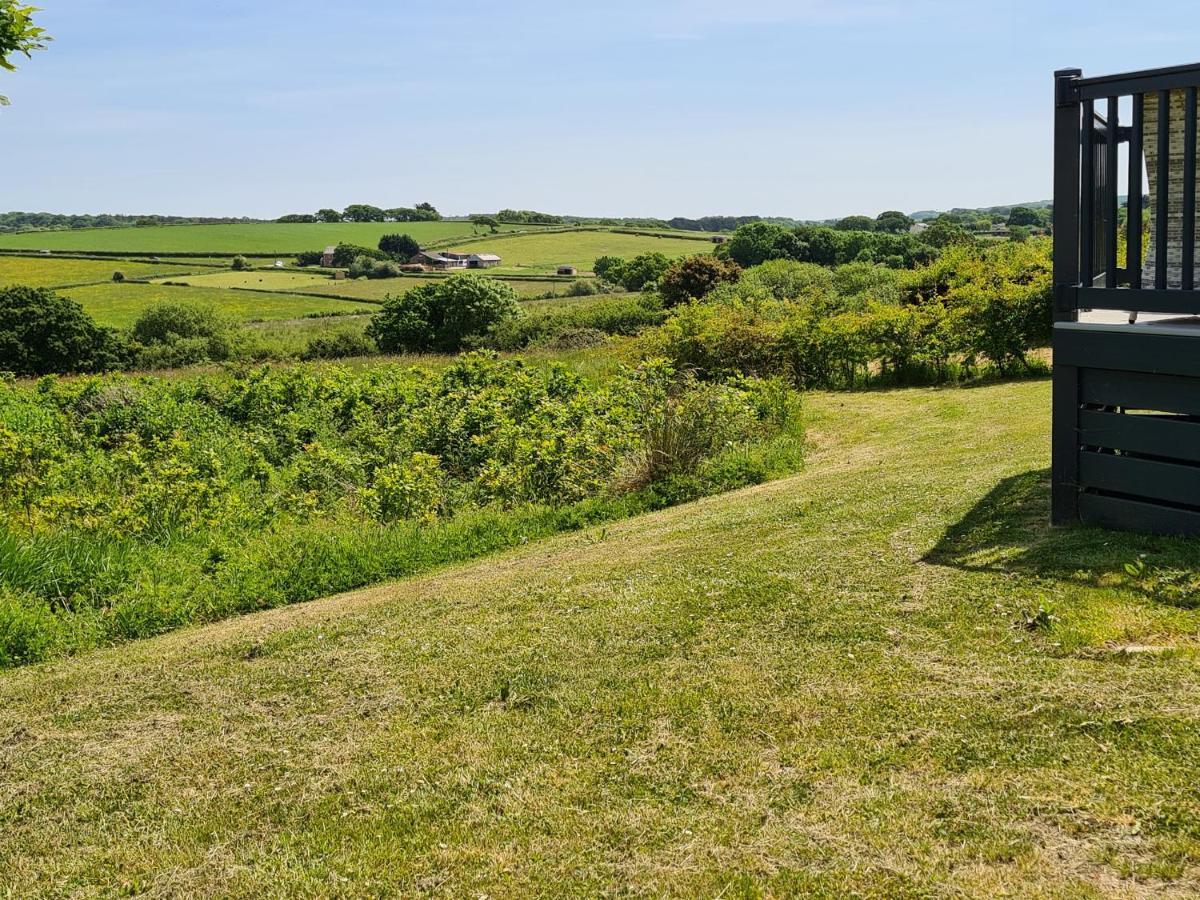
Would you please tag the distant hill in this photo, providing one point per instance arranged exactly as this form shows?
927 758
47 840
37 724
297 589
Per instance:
924 214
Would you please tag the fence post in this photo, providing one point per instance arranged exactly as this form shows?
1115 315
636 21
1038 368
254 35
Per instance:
1064 493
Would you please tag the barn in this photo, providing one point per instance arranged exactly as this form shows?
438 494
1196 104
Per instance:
567 270
483 260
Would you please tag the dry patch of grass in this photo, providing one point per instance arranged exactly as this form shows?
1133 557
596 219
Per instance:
822 685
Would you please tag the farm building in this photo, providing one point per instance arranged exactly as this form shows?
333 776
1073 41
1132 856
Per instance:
440 260
482 260
719 239
327 256
567 270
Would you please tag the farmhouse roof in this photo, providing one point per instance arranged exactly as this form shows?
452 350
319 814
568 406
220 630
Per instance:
485 257
331 249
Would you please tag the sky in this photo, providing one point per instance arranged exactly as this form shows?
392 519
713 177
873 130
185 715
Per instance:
810 108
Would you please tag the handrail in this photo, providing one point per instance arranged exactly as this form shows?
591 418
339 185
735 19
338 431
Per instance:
1125 83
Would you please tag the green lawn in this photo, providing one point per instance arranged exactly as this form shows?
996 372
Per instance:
51 272
220 239
119 305
543 253
883 677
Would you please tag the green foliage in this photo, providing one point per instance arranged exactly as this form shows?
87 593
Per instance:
363 212
118 276
615 316
329 216
18 34
695 277
309 258
400 247
632 274
861 322
893 221
338 345
239 264
179 334
365 267
128 507
754 244
855 223
443 315
344 255
42 333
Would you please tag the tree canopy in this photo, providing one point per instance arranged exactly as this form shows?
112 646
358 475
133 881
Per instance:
18 34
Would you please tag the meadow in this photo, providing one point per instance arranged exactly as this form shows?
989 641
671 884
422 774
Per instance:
543 253
884 676
119 305
41 272
284 239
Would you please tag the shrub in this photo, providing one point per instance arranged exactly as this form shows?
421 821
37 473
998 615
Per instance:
345 254
239 264
338 345
118 276
695 277
615 316
442 315
400 247
180 334
364 267
309 258
44 333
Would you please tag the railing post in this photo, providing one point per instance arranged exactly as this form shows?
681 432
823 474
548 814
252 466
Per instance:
1064 493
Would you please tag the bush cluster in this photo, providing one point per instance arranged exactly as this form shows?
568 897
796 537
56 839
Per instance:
569 328
131 506
443 315
844 327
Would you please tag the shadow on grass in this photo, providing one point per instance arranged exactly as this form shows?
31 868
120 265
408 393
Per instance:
1009 531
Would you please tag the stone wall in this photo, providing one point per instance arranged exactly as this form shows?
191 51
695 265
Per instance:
1174 190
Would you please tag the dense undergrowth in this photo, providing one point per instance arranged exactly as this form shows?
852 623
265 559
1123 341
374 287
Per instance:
133 506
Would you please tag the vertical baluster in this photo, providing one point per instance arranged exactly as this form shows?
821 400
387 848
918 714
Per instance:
1133 256
1189 188
1110 198
1163 190
1087 196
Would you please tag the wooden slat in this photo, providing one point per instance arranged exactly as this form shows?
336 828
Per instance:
1140 477
1110 196
1137 390
1134 221
1128 351
1162 191
1133 515
1139 299
1064 449
1165 436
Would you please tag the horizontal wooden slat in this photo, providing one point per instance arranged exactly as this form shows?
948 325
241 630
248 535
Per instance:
1128 350
1138 300
1137 390
1134 515
1153 435
1140 477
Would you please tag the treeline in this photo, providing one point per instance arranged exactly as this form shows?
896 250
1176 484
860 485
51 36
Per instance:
44 221
724 223
365 212
760 242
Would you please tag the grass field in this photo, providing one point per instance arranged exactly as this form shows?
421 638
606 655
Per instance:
221 239
543 253
259 279
883 677
119 305
37 272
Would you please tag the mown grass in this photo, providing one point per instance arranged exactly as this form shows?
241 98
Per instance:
119 305
543 253
222 239
826 685
51 272
260 279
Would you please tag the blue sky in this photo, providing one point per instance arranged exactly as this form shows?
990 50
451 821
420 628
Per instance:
809 108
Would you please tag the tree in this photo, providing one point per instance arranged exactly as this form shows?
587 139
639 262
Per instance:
943 233
695 277
329 215
42 332
362 212
431 214
296 218
488 222
644 269
609 268
441 315
18 34
239 264
893 221
399 246
855 223
345 254
757 242
1023 215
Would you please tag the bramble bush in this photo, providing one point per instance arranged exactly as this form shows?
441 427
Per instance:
129 506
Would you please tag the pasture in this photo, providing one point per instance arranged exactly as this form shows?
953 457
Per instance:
884 676
119 305
284 239
42 272
542 253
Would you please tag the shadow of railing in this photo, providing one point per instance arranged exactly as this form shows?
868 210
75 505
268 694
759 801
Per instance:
1009 531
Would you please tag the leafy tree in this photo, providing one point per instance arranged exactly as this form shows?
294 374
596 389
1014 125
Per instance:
943 233
345 254
365 267
362 212
42 333
695 277
442 315
644 269
855 223
118 276
179 334
399 246
239 264
488 222
893 221
18 34
296 218
431 214
329 215
609 268
309 258
757 242
1023 215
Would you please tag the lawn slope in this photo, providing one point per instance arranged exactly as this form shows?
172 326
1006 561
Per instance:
883 676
